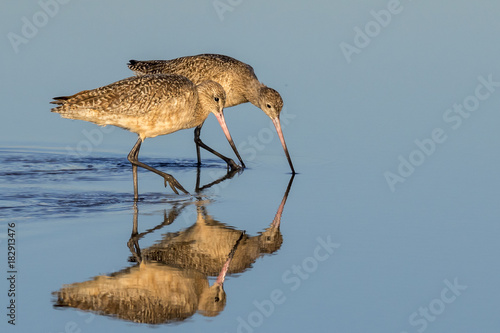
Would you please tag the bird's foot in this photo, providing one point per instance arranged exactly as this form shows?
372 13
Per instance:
174 184
233 166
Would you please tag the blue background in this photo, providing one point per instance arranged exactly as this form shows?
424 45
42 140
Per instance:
352 119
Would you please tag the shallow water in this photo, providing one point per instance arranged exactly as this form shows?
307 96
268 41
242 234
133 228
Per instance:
391 113
345 259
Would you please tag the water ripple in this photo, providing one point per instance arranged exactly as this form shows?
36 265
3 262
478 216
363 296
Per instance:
40 184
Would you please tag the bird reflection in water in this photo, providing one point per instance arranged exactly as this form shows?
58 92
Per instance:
204 245
170 280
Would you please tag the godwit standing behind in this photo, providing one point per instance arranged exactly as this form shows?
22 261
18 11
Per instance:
149 105
237 78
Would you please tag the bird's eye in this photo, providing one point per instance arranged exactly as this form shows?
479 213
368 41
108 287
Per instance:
216 99
268 106
217 299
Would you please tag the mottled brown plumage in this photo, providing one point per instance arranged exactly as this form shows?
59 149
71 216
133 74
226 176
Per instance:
146 293
150 292
204 245
148 105
237 78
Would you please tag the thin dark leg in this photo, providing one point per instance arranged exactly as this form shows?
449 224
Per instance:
199 143
198 174
133 156
169 179
228 175
133 243
197 131
134 175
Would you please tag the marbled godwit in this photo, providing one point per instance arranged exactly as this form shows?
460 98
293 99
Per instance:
237 78
149 105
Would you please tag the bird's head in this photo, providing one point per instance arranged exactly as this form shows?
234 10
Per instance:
270 102
213 96
213 99
212 300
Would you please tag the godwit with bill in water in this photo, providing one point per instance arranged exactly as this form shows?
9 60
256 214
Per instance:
237 78
149 105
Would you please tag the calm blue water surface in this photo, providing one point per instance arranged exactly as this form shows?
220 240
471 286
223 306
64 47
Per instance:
391 114
348 257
